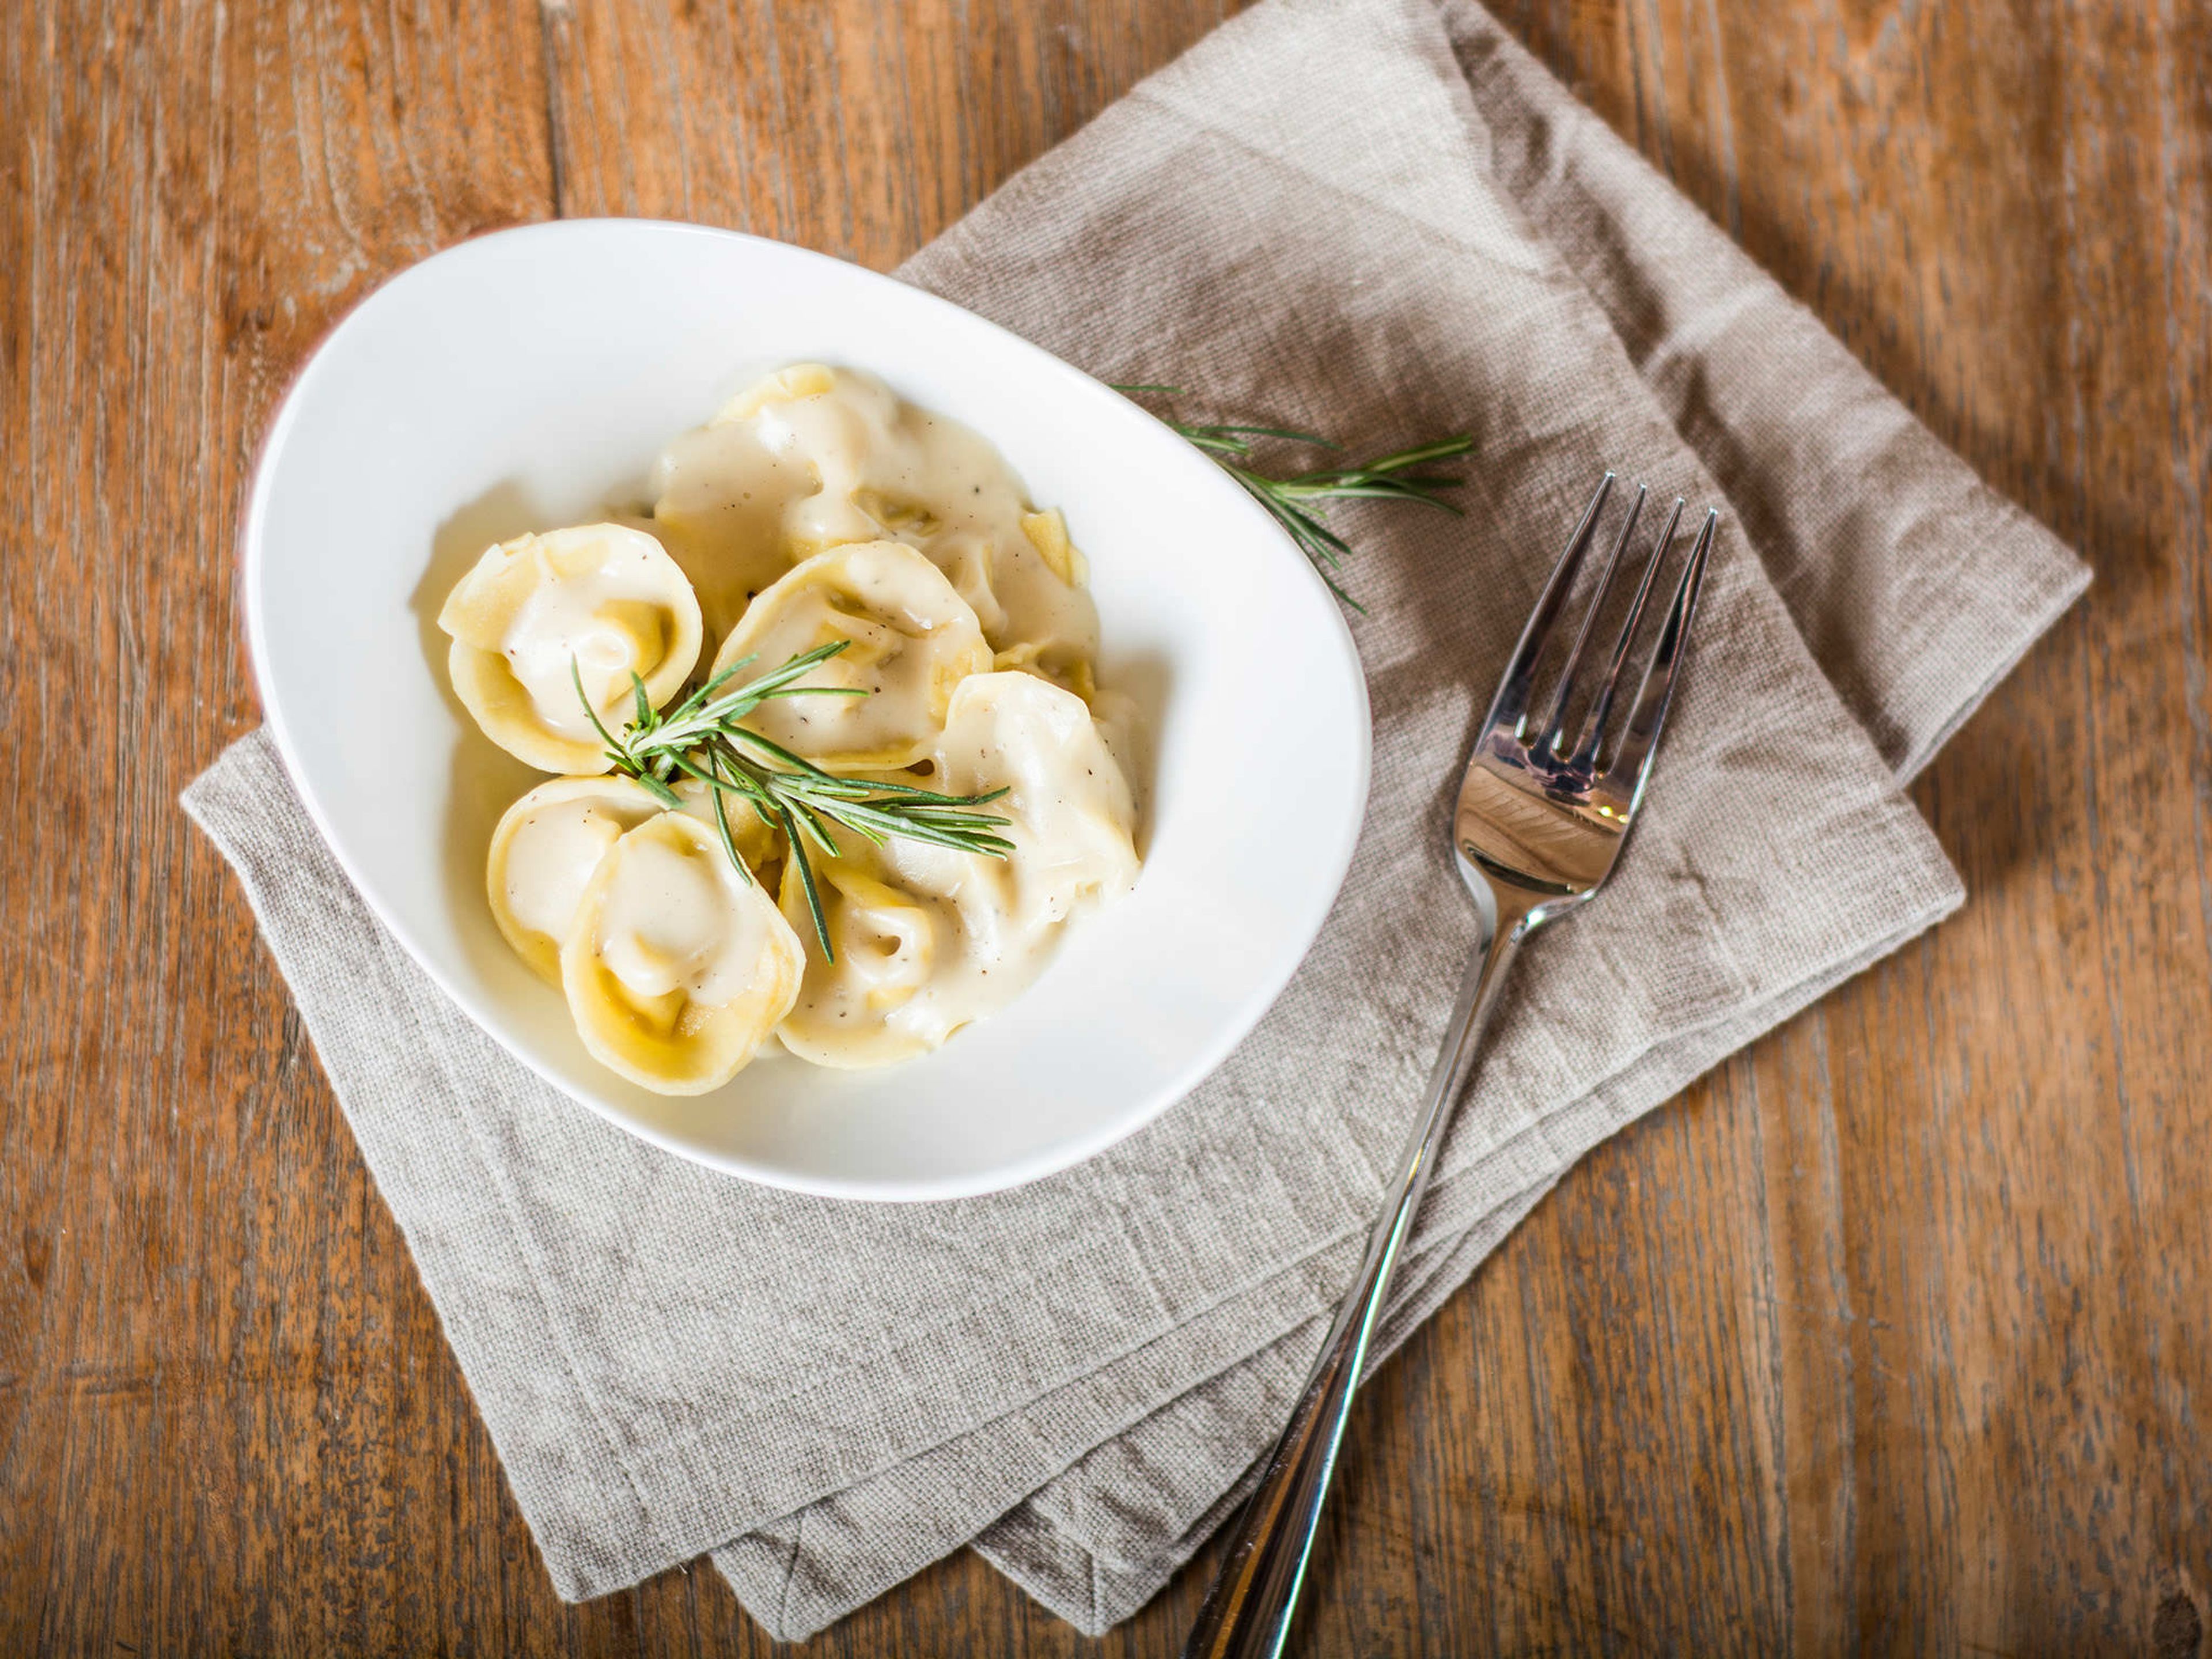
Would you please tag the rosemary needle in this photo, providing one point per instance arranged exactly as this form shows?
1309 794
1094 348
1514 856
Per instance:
701 738
1294 501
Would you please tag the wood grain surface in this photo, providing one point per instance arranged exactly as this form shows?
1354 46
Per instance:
1894 1335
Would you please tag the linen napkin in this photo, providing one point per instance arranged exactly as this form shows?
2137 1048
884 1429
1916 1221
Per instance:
1383 219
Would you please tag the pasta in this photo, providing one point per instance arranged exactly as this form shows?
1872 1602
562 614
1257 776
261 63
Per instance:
926 938
676 965
543 854
817 510
597 603
813 457
910 640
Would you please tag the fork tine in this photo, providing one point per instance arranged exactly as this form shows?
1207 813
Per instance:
1640 743
1510 705
1555 727
1601 705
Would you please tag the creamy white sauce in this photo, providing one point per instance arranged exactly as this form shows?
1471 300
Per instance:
678 967
612 615
550 860
817 457
1073 818
909 640
750 834
672 921
545 852
928 939
606 598
817 507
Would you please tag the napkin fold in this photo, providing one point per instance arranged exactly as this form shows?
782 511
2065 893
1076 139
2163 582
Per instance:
1383 219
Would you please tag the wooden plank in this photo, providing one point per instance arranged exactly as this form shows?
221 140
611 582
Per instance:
1893 1333
843 126
230 1423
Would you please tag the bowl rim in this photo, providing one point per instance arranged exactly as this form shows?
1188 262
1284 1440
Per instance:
1049 1160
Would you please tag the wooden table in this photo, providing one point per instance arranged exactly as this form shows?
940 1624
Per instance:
1894 1335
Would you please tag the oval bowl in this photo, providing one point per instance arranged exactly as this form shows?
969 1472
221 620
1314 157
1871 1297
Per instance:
526 380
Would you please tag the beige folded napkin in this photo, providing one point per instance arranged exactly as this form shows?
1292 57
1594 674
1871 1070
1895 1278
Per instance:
1379 219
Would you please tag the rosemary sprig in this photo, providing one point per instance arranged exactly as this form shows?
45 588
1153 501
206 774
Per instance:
1294 501
701 738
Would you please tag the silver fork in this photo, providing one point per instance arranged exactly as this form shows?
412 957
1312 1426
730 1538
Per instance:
1536 829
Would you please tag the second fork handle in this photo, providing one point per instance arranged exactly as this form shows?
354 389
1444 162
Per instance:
1247 1610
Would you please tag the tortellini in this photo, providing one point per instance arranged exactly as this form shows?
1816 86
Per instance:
908 639
878 1001
1070 813
677 966
927 939
543 854
597 603
817 508
813 457
756 841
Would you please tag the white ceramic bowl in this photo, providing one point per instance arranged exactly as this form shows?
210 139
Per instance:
521 381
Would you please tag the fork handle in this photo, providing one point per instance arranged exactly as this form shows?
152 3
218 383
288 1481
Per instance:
1247 1610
